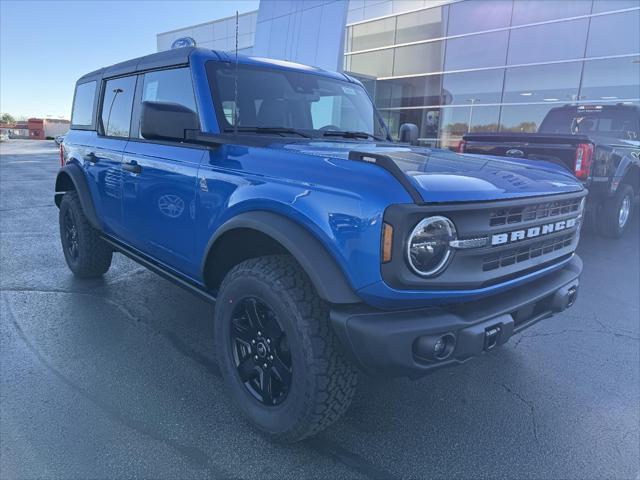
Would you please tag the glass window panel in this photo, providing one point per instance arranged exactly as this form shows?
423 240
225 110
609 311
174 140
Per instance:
532 11
416 59
382 98
475 16
609 120
522 118
172 86
611 79
546 43
373 34
116 106
425 118
484 86
82 112
600 6
542 83
457 121
476 51
614 34
422 25
414 91
377 64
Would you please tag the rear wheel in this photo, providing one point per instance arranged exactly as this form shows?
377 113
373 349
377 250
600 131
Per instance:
277 352
616 212
87 255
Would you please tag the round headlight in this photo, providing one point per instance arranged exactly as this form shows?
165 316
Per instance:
428 248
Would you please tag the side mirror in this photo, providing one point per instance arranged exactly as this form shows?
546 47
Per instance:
409 133
166 121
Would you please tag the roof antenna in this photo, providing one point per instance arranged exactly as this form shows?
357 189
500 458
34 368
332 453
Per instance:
235 78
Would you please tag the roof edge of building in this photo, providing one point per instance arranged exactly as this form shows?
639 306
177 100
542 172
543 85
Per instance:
206 23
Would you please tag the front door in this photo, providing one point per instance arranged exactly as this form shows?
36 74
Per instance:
160 178
159 186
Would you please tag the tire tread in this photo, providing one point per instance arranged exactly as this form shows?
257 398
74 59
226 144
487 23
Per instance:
95 254
333 379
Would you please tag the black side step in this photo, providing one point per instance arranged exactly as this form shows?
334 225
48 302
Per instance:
159 269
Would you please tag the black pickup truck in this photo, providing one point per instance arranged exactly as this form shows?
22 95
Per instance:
600 144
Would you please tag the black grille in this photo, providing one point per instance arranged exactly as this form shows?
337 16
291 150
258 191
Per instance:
521 254
514 215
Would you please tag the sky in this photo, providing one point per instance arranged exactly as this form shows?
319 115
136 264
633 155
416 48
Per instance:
45 46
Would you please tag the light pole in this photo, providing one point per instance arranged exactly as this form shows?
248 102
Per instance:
473 101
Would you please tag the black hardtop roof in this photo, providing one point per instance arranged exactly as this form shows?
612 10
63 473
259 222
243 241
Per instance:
168 58
180 57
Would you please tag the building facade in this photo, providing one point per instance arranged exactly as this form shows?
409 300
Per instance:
453 67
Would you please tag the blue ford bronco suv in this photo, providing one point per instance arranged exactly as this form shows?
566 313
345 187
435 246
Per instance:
274 189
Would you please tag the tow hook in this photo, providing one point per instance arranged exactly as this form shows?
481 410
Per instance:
572 294
491 335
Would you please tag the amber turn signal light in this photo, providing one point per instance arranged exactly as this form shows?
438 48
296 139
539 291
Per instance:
387 242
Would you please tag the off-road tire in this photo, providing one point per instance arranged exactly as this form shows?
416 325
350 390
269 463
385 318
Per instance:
608 219
323 380
93 257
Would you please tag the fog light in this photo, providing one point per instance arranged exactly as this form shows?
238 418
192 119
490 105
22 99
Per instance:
434 347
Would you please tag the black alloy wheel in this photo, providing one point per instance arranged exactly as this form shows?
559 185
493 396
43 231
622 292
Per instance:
86 254
277 351
71 235
260 351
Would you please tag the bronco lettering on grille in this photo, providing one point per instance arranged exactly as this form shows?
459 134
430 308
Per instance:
523 234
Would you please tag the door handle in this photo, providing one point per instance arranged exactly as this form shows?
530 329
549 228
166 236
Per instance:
90 157
132 167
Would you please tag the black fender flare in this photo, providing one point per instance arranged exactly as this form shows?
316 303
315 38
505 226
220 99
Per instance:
629 165
71 177
324 272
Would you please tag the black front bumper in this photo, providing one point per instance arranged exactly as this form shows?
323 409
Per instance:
398 343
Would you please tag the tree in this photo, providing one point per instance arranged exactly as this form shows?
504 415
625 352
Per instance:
7 118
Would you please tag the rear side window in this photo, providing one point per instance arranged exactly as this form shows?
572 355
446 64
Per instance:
610 122
116 106
82 112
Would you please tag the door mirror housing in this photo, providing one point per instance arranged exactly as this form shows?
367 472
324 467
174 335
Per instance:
166 121
409 133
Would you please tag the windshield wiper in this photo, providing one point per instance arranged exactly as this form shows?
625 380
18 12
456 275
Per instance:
281 130
349 134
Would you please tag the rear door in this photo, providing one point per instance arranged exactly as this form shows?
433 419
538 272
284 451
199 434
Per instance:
160 178
103 160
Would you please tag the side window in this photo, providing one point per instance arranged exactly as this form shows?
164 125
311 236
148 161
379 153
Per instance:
169 86
116 106
82 112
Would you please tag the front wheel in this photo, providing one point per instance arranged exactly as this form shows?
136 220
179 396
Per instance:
616 212
277 352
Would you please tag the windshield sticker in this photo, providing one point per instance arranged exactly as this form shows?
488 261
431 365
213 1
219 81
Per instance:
348 90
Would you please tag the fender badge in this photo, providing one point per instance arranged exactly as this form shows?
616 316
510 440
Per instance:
203 184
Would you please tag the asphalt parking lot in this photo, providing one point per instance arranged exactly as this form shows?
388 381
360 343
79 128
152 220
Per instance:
117 378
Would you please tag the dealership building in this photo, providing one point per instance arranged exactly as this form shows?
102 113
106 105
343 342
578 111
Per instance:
450 66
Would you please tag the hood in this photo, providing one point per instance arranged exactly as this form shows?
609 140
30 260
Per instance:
446 176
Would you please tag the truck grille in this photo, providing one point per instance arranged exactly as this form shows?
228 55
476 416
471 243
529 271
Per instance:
533 250
515 215
513 239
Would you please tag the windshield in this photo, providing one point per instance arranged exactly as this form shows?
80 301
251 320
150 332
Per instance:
272 100
609 122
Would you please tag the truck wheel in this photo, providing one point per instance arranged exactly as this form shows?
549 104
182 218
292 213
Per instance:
278 354
87 255
616 212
